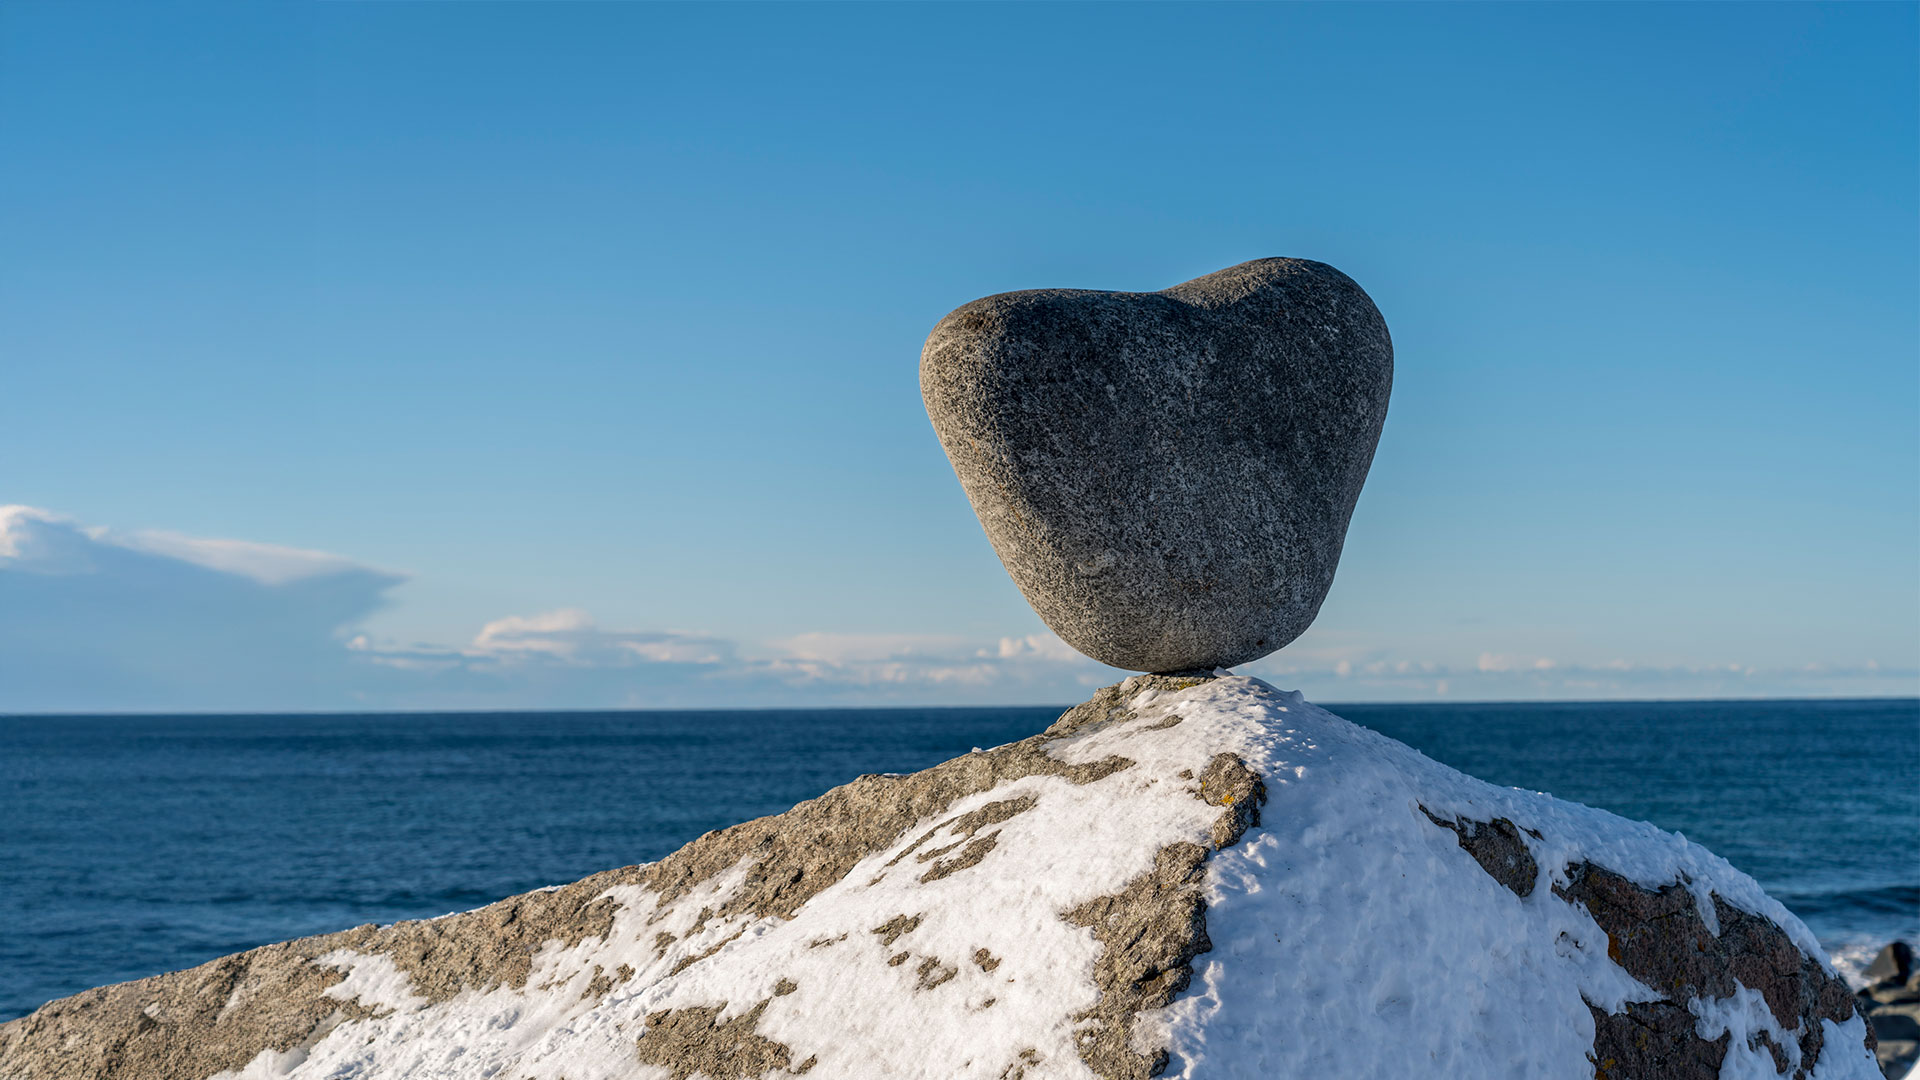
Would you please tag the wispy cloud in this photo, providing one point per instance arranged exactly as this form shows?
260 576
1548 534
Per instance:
868 648
1493 676
96 619
570 636
564 659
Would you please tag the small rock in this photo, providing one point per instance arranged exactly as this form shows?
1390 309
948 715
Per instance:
1894 964
1892 993
1896 1056
1167 476
1896 1022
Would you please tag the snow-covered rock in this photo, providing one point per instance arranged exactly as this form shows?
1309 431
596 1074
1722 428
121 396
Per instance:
1200 877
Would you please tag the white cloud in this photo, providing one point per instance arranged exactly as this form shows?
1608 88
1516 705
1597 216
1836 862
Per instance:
548 633
563 658
1503 662
570 636
90 619
1045 647
96 619
268 564
856 648
1032 663
16 523
1492 676
37 540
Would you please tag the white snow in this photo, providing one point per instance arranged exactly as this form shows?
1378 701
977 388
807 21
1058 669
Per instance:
1351 936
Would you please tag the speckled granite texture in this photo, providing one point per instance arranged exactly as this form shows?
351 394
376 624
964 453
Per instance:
1167 476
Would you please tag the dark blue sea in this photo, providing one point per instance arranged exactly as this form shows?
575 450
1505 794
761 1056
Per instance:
135 845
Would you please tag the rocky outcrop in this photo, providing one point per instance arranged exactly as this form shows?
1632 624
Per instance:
1183 876
1662 938
1891 1002
1167 476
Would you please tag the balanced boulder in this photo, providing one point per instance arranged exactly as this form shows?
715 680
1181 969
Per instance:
1167 476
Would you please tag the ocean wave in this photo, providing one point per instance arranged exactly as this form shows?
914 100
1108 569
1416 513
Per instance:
1851 960
1879 900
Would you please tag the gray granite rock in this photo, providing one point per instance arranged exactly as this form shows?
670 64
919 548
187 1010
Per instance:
1167 476
209 1021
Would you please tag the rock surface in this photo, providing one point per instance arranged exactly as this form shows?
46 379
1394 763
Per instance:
1167 476
1891 1002
1202 877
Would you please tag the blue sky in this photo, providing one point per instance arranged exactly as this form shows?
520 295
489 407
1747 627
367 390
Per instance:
565 355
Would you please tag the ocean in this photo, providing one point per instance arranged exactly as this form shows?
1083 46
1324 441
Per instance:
135 845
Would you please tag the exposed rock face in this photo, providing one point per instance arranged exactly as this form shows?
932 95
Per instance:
1167 476
1184 876
1660 937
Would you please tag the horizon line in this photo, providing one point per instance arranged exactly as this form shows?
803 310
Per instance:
500 711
